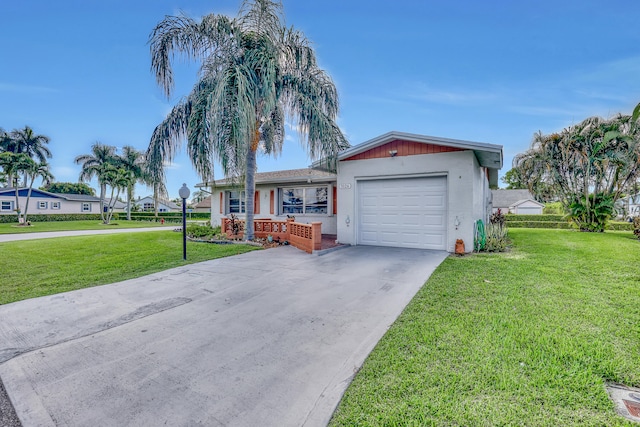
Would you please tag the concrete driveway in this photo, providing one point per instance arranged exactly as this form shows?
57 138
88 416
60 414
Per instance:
268 338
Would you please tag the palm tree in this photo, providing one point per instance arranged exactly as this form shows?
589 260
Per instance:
254 71
132 161
33 145
13 164
36 170
119 179
98 164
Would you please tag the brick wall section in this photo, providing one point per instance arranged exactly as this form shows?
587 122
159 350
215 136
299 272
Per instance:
404 148
306 237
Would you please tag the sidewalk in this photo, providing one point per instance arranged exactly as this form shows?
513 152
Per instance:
52 234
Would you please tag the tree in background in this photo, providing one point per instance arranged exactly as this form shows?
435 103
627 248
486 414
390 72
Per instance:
98 164
254 71
27 142
586 167
132 161
13 165
69 188
36 170
514 180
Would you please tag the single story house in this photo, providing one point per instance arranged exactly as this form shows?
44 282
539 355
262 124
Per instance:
43 202
398 190
516 202
147 204
203 205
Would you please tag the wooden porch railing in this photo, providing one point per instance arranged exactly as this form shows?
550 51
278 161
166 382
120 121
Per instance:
307 237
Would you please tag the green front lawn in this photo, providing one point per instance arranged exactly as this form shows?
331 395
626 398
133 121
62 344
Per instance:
528 337
35 268
39 227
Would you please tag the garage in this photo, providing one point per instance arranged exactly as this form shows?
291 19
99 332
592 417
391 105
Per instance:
403 212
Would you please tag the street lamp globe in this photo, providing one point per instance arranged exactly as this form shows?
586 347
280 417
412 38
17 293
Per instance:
184 192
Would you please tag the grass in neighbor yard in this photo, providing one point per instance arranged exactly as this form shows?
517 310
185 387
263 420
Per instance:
39 227
34 268
528 337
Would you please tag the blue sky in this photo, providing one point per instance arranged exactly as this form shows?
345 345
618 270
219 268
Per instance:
486 71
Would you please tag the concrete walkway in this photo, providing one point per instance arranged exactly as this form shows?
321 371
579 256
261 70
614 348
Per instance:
268 338
52 234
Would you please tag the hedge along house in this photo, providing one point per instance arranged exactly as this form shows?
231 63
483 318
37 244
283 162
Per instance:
399 190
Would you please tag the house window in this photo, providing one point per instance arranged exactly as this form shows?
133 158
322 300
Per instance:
86 207
6 206
148 207
236 201
305 200
43 205
55 205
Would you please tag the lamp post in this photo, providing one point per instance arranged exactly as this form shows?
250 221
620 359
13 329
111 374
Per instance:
184 195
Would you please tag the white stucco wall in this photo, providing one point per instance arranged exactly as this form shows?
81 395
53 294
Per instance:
467 190
328 220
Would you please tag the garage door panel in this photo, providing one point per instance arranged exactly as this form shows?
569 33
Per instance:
405 212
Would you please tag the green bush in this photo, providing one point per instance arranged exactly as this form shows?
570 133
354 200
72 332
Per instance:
540 224
168 216
55 217
197 231
553 208
636 226
538 218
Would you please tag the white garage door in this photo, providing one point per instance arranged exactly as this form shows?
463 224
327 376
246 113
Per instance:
406 212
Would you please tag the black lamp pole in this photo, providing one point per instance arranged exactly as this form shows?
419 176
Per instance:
184 195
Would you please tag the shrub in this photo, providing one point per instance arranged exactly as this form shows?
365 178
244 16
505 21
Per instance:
555 208
636 226
497 217
538 218
203 231
55 217
496 238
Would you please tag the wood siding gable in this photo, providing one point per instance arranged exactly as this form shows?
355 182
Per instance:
403 148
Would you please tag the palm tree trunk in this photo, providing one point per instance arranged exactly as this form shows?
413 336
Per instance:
26 205
249 193
17 203
129 196
103 190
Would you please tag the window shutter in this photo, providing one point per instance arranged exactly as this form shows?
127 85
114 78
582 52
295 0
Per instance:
256 202
335 200
271 202
222 202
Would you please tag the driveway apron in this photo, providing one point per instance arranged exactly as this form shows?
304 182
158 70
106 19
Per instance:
269 338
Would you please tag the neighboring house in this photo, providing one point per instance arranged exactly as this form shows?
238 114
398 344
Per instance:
629 207
118 206
399 190
203 206
516 202
147 204
43 202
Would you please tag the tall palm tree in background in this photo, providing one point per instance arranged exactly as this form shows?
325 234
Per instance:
13 165
33 145
37 170
98 164
132 161
254 71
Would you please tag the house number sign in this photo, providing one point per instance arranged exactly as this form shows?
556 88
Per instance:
345 186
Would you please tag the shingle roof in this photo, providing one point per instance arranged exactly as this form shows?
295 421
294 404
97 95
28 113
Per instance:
291 175
505 198
205 203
